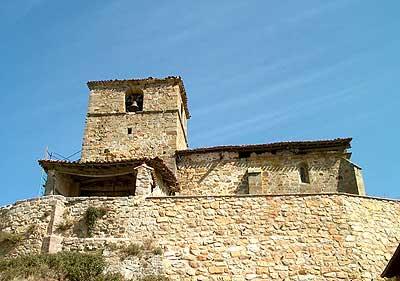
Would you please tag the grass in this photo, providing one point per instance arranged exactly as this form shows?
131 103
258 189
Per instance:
138 250
8 241
135 250
71 266
66 266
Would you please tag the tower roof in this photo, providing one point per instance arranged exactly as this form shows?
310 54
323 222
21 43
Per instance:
126 83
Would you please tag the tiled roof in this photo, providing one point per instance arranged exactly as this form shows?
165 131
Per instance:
156 163
176 80
341 143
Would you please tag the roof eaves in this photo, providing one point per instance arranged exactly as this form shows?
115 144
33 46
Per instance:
340 142
156 163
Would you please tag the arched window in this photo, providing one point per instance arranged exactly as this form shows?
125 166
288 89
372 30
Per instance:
134 101
304 174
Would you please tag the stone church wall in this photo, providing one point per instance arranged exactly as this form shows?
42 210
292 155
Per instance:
276 237
225 173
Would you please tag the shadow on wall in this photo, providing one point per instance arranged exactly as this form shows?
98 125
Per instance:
243 187
210 169
347 180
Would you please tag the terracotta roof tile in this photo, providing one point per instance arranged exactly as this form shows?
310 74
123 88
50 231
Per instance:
290 145
156 163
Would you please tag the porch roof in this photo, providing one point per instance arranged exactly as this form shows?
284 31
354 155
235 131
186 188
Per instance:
109 168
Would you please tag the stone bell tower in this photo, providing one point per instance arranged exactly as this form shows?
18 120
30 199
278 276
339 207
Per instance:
131 119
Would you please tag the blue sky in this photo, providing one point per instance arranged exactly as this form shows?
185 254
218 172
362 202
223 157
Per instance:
255 72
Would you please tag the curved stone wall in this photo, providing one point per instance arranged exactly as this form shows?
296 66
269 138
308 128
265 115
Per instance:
275 237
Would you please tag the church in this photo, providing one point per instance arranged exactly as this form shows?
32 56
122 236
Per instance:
293 211
136 143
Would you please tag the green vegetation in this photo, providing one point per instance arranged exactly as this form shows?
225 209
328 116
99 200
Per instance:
64 226
158 251
138 250
92 214
8 241
132 250
69 266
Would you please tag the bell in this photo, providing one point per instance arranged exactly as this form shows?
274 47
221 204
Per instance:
135 105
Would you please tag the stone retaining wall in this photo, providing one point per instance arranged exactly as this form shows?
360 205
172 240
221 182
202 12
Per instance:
30 220
290 237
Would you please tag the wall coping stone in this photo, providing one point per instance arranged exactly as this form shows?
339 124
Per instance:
42 198
277 195
104 198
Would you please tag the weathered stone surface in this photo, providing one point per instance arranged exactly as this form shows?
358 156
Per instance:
158 130
266 173
325 236
318 237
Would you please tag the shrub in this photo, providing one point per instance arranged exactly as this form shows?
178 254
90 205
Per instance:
92 214
8 241
64 226
158 251
10 237
139 250
133 250
70 266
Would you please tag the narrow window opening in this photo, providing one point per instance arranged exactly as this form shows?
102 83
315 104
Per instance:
133 102
304 174
254 178
129 131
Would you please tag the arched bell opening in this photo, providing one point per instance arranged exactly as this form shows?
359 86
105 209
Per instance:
134 100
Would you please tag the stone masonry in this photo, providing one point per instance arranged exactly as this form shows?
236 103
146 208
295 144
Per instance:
281 211
251 237
228 173
157 129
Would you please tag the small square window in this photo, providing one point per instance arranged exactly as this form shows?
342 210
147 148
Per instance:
129 131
